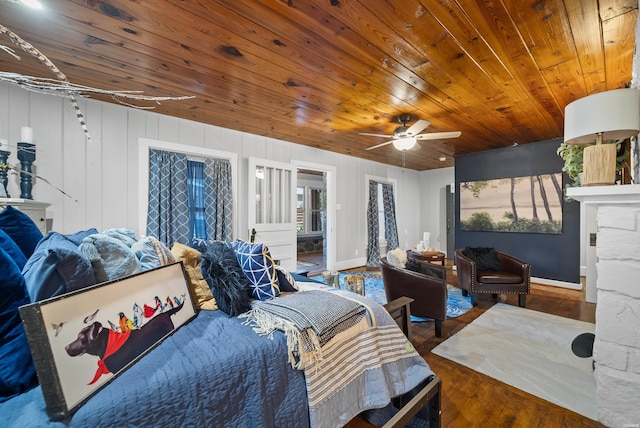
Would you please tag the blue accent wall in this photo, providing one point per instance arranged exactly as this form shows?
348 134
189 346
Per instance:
555 257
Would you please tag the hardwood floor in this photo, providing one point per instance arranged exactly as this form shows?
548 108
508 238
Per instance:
471 399
314 263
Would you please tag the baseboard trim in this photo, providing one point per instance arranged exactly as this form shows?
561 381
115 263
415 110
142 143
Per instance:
350 264
556 283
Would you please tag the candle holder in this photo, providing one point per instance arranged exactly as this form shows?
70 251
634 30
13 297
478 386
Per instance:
26 156
4 180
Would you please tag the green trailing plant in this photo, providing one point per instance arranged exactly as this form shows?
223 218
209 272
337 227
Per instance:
572 154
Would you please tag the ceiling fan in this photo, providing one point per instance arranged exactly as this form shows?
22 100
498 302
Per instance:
405 137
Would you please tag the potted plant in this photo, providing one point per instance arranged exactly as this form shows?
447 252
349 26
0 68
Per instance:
572 154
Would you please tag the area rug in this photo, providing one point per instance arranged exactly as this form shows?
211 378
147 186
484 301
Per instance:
374 288
529 350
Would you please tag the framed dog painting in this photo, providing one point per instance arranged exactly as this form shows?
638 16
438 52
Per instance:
82 340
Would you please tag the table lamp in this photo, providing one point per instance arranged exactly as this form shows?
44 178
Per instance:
610 115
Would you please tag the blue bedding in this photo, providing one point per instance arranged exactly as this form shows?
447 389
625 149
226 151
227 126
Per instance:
205 374
215 371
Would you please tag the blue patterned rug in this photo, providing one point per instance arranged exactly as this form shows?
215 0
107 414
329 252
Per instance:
374 288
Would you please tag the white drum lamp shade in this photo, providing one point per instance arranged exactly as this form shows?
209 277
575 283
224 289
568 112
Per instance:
610 115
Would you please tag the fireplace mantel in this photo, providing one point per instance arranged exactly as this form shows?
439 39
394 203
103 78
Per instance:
625 194
617 342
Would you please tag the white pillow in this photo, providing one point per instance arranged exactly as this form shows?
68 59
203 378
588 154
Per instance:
397 257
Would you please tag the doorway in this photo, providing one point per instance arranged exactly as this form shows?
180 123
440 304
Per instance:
326 258
311 221
451 220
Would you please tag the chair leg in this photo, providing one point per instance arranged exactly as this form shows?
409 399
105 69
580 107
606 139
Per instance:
438 328
522 300
474 299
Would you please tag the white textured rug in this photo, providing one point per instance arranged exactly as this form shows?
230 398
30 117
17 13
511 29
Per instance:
529 350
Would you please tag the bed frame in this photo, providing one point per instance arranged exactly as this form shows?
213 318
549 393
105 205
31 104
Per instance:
429 389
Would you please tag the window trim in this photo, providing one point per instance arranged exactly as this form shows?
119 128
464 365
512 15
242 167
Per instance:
144 147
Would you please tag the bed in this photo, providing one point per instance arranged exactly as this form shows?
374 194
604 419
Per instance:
217 371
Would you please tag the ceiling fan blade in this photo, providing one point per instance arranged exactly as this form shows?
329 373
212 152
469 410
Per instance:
438 135
376 135
379 145
417 127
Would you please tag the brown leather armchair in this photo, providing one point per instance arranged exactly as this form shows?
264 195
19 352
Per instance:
513 277
429 293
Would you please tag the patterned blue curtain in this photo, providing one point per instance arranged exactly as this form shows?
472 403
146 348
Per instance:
390 225
195 192
373 249
168 213
218 199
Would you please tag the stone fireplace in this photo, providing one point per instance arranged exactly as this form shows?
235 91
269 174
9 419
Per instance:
617 341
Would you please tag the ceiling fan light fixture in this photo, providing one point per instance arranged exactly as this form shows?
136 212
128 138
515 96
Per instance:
34 4
404 143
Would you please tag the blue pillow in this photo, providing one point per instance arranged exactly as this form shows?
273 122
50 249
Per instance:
17 372
257 264
152 253
57 266
9 245
286 282
110 257
21 229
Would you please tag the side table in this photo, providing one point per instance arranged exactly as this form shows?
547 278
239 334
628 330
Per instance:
427 256
37 211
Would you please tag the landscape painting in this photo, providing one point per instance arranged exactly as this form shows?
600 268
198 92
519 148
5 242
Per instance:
531 204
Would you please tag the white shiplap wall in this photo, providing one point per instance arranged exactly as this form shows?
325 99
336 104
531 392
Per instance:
102 175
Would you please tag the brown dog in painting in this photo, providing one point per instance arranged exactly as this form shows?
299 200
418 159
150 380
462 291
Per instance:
117 349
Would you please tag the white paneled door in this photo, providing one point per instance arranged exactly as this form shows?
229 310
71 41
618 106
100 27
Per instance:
271 206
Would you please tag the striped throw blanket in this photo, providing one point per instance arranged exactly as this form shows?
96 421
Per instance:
309 320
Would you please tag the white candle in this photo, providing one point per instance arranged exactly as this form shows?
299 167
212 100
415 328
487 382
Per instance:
26 134
426 237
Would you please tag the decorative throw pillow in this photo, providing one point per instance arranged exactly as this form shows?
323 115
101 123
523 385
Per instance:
257 264
17 372
486 258
191 259
152 253
286 282
7 244
397 258
21 229
57 266
227 280
424 269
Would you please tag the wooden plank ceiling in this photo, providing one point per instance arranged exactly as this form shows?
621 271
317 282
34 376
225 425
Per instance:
319 72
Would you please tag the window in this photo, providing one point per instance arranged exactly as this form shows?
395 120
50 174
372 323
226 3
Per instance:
300 209
190 192
310 210
195 192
